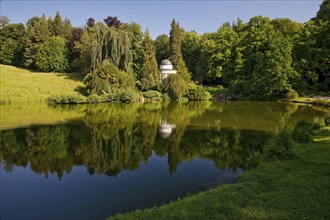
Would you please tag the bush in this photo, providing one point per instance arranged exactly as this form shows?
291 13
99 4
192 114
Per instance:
318 122
152 94
166 97
327 119
215 90
67 99
183 99
254 161
125 95
107 78
303 131
280 147
197 93
175 86
292 95
97 98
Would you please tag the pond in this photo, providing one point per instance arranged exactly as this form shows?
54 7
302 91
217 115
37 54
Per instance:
92 161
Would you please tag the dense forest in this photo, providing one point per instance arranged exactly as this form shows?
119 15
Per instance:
259 59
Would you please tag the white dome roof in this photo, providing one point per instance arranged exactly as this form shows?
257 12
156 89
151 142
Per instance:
166 62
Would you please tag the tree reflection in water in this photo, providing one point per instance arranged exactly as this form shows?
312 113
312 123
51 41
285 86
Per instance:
110 138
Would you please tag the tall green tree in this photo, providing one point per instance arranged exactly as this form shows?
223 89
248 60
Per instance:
111 44
191 50
162 44
267 67
37 32
52 55
175 54
11 41
149 75
56 25
136 35
216 54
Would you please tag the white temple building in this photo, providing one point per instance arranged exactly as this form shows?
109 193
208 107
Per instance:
166 69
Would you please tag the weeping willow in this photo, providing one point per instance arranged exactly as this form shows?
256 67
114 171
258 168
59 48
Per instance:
113 45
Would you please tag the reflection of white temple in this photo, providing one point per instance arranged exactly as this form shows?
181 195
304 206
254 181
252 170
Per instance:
166 129
166 69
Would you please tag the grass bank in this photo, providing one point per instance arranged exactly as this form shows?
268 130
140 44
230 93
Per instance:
296 188
314 101
20 85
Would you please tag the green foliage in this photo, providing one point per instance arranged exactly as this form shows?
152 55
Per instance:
292 95
10 52
149 74
67 99
162 45
166 97
191 50
319 122
254 161
136 35
267 61
303 131
280 147
152 94
197 92
37 33
215 90
214 63
52 56
175 86
11 41
327 119
175 54
107 78
111 44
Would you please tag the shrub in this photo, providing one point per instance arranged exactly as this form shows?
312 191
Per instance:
327 119
97 98
125 95
52 56
197 93
292 95
215 90
152 94
280 147
107 78
318 122
166 97
67 99
183 99
254 161
175 86
303 132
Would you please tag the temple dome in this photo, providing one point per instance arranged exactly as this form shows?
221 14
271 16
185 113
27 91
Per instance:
166 62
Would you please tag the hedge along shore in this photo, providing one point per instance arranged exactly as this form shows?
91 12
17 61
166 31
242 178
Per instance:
296 188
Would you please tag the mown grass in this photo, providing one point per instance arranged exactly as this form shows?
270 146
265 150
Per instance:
20 85
297 188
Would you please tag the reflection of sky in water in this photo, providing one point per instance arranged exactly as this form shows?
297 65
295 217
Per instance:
25 194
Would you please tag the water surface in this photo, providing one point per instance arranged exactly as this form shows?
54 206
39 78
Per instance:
92 161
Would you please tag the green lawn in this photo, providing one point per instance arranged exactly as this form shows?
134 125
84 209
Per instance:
20 85
292 189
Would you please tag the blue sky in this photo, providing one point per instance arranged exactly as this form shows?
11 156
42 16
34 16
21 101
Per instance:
201 16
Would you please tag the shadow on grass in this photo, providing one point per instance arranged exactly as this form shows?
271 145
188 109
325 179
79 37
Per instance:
74 76
81 90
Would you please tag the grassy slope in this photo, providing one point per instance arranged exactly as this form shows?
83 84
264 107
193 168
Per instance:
20 85
292 189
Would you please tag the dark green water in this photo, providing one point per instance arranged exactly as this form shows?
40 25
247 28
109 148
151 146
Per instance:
92 161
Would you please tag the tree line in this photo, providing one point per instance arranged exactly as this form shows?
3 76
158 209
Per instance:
259 59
